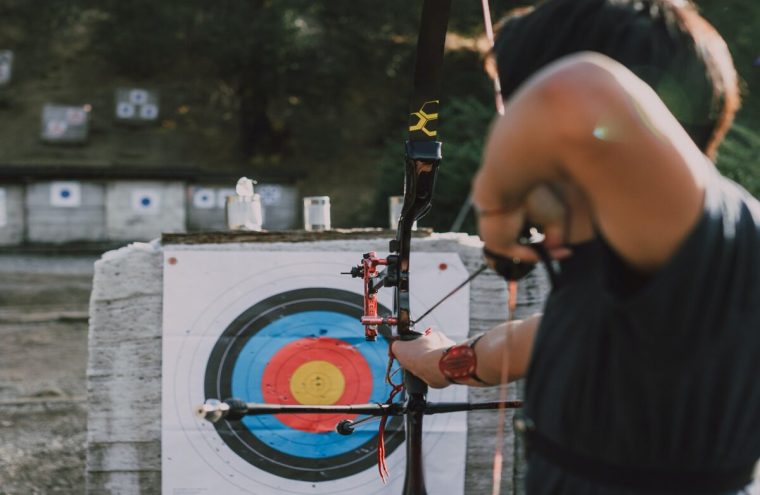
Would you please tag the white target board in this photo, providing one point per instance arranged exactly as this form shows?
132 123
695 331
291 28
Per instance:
282 327
3 208
270 194
66 194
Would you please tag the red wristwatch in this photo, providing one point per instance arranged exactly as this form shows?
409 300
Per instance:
459 362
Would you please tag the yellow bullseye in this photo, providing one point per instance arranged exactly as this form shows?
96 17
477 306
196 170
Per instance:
317 382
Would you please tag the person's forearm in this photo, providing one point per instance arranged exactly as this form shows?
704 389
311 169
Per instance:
504 351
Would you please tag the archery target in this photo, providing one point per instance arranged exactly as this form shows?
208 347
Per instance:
56 128
282 327
149 112
301 347
270 194
66 194
204 198
138 97
65 124
136 105
146 201
222 195
125 110
76 116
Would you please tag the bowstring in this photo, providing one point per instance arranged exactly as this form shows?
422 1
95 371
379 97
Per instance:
499 102
498 456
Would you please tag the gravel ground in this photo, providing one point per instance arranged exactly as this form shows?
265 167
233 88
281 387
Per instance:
43 358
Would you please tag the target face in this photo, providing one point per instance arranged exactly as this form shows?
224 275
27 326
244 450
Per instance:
125 110
56 128
146 201
301 347
135 105
222 196
270 194
61 123
149 112
138 97
204 198
76 116
65 194
281 327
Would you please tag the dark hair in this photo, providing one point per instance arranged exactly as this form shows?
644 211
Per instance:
664 42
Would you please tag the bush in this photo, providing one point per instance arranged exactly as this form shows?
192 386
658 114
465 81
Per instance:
739 158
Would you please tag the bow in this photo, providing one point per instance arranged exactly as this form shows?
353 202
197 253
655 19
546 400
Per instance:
422 160
423 157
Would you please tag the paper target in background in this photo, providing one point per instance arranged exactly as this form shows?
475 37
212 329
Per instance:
138 96
146 201
270 194
136 105
65 123
282 327
76 116
125 110
222 194
204 198
66 194
56 128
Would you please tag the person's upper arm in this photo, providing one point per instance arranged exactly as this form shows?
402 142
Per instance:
589 120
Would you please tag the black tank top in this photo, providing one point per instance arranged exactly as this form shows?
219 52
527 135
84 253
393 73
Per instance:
661 372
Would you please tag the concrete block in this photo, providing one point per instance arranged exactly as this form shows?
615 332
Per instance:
124 369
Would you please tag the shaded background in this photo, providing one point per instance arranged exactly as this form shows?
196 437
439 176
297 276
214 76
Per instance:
314 93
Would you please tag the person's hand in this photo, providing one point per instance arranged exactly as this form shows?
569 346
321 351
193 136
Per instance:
500 228
421 356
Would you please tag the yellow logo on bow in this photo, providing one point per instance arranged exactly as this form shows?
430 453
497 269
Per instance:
424 117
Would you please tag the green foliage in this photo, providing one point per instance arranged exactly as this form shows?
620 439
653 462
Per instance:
314 86
739 158
739 23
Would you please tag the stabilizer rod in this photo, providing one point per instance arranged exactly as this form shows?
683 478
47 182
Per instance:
235 409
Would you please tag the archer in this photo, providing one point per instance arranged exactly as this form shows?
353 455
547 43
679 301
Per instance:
641 373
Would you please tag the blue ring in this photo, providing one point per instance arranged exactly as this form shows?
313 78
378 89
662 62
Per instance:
249 369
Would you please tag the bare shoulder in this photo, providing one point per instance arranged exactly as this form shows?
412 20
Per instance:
620 144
